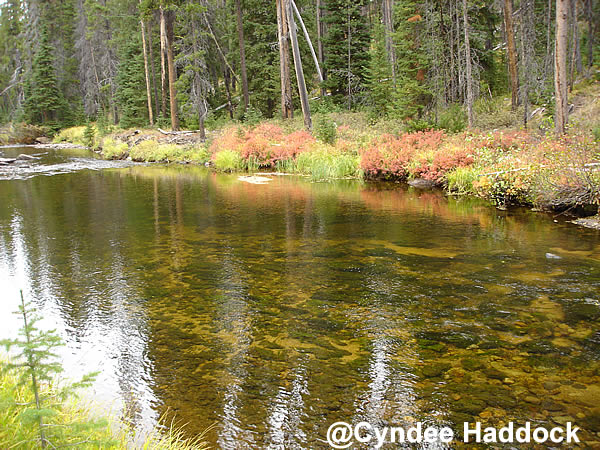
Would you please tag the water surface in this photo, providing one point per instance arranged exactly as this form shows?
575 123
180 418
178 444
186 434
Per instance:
275 310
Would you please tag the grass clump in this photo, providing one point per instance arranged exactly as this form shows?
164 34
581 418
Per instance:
460 180
114 148
326 164
73 135
151 150
228 161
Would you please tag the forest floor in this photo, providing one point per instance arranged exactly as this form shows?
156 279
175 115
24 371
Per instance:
499 159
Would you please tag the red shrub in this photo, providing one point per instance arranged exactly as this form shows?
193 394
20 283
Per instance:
443 162
389 156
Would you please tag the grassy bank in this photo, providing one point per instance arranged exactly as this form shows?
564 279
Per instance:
75 424
499 160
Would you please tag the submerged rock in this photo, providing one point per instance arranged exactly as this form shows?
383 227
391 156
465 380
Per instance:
421 183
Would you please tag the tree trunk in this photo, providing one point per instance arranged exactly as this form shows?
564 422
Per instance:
469 79
147 72
298 64
512 53
153 69
172 70
560 66
287 109
320 54
240 29
387 13
526 63
308 40
590 20
163 63
576 64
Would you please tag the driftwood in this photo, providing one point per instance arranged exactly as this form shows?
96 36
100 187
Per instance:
177 133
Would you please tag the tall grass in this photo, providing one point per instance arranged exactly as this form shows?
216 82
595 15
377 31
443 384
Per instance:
114 148
322 164
460 180
73 135
228 161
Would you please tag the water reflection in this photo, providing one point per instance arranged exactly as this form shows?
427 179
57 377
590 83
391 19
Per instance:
276 310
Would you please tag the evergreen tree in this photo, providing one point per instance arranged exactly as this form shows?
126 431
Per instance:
36 366
44 102
131 90
379 79
411 61
347 46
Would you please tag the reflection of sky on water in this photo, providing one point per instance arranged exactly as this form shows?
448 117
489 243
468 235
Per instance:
110 339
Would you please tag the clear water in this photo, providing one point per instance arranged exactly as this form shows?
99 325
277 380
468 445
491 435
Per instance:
274 310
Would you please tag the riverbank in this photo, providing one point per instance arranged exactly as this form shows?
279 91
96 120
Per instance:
500 161
507 167
80 426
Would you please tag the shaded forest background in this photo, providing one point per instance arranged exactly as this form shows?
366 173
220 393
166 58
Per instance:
184 63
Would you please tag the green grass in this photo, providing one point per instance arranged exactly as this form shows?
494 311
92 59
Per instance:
323 164
460 180
114 148
73 135
229 161
90 433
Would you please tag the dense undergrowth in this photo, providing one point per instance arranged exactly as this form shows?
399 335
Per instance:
506 164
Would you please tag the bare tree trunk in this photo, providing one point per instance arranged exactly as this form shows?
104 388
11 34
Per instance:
387 13
560 66
512 53
469 79
320 44
590 20
228 92
349 40
526 63
153 69
172 70
453 88
147 72
549 46
163 63
308 40
298 64
576 64
240 29
287 109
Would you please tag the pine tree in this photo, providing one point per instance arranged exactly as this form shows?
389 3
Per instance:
346 44
131 84
379 77
36 365
410 58
44 102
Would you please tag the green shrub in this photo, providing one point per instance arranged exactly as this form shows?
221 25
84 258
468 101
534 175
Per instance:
114 149
197 154
415 125
73 135
228 161
460 180
596 133
253 116
89 135
453 119
326 130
